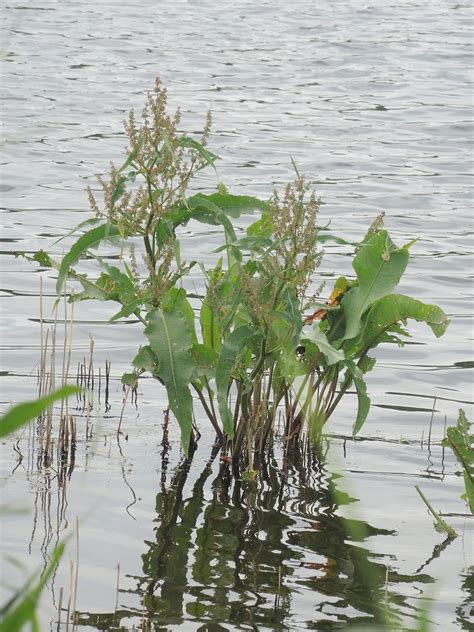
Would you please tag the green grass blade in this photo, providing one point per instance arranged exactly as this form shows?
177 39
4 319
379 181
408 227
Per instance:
25 611
25 412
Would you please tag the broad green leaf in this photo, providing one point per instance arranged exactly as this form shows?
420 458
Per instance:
205 359
25 412
204 210
332 355
88 240
379 268
236 205
390 310
175 300
287 320
146 359
171 340
210 331
232 347
363 399
263 227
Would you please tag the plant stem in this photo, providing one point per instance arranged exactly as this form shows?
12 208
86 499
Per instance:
440 523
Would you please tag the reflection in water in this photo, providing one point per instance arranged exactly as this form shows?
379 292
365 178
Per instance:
250 554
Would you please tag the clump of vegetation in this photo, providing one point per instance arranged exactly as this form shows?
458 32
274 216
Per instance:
22 607
253 350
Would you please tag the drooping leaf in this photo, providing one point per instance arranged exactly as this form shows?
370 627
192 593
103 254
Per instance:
236 205
129 309
208 156
171 340
25 412
332 355
87 222
89 240
461 441
362 397
390 310
378 266
232 347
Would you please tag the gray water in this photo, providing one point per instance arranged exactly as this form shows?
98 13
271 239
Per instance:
373 101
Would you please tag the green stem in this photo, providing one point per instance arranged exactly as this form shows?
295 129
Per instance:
440 523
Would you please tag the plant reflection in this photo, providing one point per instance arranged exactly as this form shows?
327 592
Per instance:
228 554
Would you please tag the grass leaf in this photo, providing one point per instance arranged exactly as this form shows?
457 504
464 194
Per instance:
25 412
88 240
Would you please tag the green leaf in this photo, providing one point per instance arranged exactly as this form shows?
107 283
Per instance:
379 267
232 347
171 340
205 359
363 399
208 156
88 240
176 300
129 379
92 290
146 360
390 310
263 227
204 210
461 441
87 222
210 331
25 412
129 309
23 612
236 205
332 355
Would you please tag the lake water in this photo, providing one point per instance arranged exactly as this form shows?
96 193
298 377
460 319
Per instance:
373 101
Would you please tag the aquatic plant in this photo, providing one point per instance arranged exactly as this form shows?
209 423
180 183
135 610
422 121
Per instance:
461 441
21 608
253 350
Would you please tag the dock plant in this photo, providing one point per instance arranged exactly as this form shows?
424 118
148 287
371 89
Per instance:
257 343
